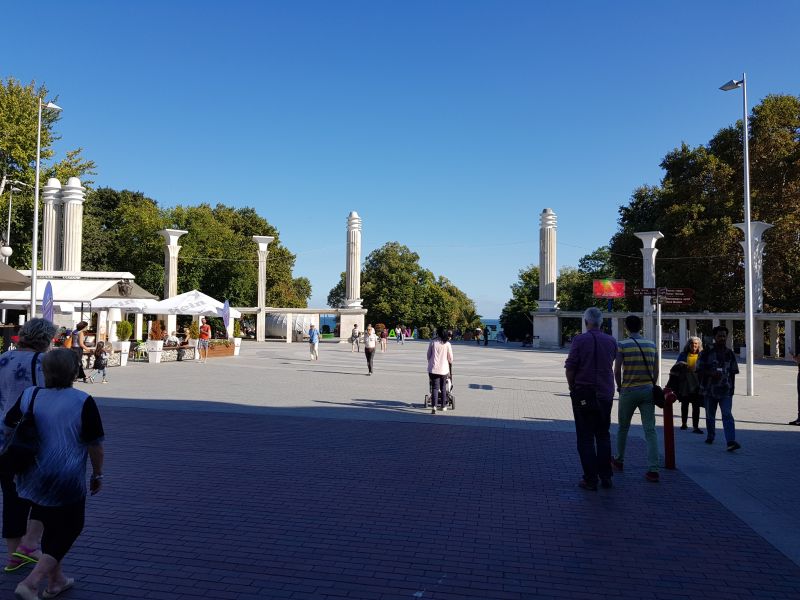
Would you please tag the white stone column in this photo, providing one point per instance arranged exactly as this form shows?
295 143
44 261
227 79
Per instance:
289 327
683 333
649 251
548 273
789 339
546 322
171 251
137 326
617 328
758 337
51 227
102 324
352 276
72 196
263 242
714 322
774 340
691 325
757 229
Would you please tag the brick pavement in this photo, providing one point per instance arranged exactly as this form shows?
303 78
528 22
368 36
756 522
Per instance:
312 481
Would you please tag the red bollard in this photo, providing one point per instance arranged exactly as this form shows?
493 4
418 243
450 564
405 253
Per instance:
669 430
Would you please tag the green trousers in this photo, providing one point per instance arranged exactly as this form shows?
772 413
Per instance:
628 403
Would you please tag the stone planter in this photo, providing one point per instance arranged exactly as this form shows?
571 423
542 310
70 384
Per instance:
192 343
124 349
154 350
237 345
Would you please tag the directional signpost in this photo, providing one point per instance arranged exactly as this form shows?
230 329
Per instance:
668 296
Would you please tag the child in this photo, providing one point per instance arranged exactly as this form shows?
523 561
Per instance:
100 362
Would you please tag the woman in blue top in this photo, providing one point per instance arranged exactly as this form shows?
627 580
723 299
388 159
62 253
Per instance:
20 369
70 431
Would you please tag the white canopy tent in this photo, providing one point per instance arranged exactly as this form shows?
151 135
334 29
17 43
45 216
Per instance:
133 305
191 303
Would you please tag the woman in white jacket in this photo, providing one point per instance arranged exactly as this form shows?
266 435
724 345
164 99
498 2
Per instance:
370 343
440 358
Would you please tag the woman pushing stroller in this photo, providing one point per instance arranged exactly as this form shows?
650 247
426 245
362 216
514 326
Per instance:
440 361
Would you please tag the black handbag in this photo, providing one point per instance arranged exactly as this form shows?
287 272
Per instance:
585 396
22 444
658 391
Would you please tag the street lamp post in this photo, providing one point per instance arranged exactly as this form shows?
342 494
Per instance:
748 248
35 249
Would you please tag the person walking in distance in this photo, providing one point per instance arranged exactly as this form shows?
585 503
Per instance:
440 361
399 333
313 341
717 369
635 370
486 335
370 343
797 360
590 377
355 338
384 338
205 337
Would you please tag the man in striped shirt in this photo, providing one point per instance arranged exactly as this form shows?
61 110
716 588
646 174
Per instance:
635 371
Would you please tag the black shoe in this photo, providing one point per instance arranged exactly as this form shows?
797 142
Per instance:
709 440
683 427
733 446
592 487
652 476
795 422
617 465
697 430
606 483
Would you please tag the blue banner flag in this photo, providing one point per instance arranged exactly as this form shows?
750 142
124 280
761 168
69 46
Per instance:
226 314
47 302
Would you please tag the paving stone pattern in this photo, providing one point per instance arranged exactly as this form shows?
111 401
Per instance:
310 484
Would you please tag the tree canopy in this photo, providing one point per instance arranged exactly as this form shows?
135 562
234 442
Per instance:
396 289
701 197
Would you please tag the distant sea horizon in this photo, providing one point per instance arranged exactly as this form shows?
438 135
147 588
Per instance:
330 321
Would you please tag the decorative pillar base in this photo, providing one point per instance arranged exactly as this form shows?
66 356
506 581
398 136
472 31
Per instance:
347 318
547 305
547 327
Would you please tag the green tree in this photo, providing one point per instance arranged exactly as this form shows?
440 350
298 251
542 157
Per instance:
18 129
396 289
515 318
699 200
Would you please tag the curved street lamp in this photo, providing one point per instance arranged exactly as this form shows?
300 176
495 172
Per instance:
35 249
748 248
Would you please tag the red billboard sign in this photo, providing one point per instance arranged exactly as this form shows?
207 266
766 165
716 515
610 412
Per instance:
608 288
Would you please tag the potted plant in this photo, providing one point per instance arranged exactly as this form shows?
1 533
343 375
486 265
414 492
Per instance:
123 344
155 343
237 337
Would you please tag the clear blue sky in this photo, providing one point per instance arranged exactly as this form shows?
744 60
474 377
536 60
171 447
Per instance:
448 125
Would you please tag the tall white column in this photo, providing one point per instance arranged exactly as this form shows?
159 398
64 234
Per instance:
352 277
171 251
72 196
138 325
729 325
789 339
757 230
263 242
649 251
683 333
51 225
548 274
774 340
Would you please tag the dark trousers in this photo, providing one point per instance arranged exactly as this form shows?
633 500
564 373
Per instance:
438 390
79 355
798 395
62 526
370 353
15 509
695 401
594 440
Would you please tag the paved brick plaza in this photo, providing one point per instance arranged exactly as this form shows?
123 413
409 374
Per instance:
301 480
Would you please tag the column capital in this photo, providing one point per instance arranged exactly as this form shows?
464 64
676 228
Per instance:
757 229
649 238
171 235
263 241
51 191
353 221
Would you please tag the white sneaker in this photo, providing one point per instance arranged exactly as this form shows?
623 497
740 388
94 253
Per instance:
446 408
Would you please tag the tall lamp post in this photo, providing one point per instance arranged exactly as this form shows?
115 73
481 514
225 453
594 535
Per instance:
748 248
35 249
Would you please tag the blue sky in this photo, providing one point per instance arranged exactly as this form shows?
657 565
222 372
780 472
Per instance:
448 125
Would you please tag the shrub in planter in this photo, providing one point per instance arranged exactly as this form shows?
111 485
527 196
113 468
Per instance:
237 328
124 330
425 332
156 331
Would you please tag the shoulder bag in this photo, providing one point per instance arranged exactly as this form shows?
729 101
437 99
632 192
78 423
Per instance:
658 392
585 396
22 444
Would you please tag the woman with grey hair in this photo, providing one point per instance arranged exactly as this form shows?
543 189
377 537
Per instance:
20 369
688 385
70 432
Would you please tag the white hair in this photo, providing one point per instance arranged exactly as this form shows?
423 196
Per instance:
593 317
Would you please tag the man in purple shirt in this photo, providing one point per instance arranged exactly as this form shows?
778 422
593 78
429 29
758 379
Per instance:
590 365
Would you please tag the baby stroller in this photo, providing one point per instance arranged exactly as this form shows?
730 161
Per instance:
448 386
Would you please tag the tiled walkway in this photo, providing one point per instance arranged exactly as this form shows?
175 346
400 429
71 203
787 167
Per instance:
270 477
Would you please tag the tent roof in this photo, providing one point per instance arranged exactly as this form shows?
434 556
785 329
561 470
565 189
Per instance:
11 279
65 290
141 305
191 303
136 292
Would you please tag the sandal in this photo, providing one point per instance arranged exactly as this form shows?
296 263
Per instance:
17 562
27 554
67 585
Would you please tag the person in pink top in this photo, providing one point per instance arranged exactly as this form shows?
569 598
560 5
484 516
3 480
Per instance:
440 359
